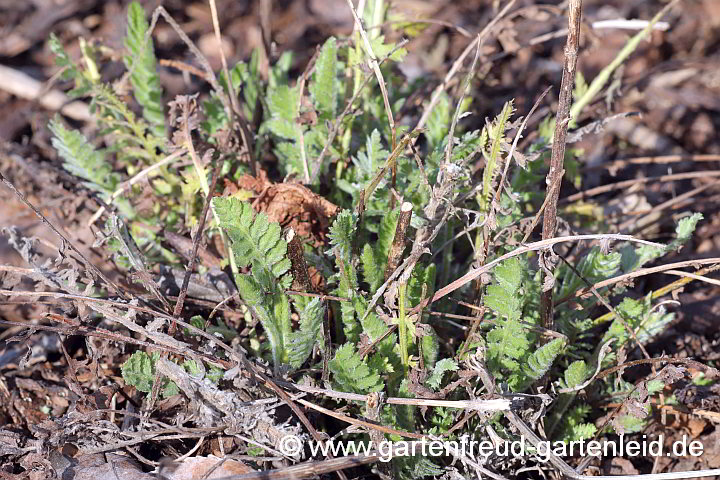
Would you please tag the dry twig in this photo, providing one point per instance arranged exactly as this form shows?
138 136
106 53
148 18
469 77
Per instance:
555 175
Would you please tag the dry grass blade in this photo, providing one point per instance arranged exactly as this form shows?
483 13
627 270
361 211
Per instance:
536 246
642 272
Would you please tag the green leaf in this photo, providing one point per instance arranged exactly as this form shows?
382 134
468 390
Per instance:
192 367
374 257
372 158
497 138
284 102
139 371
144 77
592 268
255 240
83 160
259 243
441 367
323 87
581 86
639 315
438 123
506 345
542 359
351 373
301 342
284 129
342 233
502 296
62 59
573 427
576 374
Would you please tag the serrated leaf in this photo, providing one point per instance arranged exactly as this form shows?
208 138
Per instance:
139 371
255 240
342 233
502 296
258 242
438 123
283 129
639 315
351 374
441 367
542 359
62 59
144 77
283 102
323 88
301 342
493 163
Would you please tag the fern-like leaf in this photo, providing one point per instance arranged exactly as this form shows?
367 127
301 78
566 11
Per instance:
646 321
258 242
374 257
62 59
497 137
255 241
368 161
502 296
144 77
301 342
574 427
351 373
82 159
593 267
542 359
342 233
283 103
139 371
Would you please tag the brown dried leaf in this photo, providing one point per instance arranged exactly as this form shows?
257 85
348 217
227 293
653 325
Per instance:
290 205
196 468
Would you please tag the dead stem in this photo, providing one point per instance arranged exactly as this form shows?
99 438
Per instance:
557 158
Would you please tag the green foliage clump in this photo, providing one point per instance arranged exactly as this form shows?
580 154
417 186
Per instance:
469 208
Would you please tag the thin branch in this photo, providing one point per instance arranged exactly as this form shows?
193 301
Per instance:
639 181
640 273
557 158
